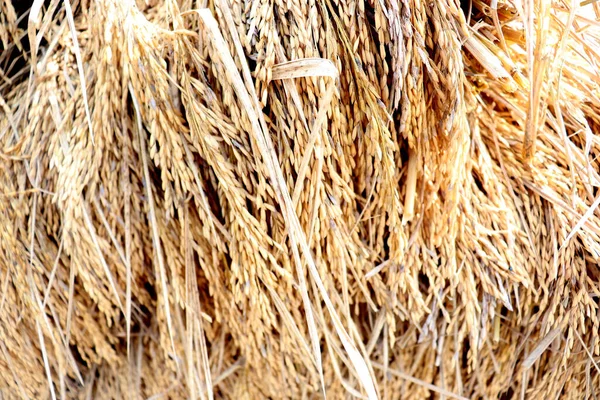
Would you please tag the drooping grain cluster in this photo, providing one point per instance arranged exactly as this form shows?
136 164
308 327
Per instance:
280 198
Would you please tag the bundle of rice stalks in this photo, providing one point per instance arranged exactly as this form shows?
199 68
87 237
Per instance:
292 199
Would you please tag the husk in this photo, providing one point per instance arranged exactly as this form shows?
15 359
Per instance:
292 199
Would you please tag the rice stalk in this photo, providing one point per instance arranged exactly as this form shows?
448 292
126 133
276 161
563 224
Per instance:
296 199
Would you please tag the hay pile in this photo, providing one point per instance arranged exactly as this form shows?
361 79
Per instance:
276 198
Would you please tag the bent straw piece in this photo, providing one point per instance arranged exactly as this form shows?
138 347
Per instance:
540 348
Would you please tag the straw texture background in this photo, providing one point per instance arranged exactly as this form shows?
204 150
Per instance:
251 199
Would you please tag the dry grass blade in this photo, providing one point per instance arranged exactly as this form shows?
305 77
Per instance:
540 348
33 22
46 361
304 68
593 208
411 183
490 62
53 274
590 355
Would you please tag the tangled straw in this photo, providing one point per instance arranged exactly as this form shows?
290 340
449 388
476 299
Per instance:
297 199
